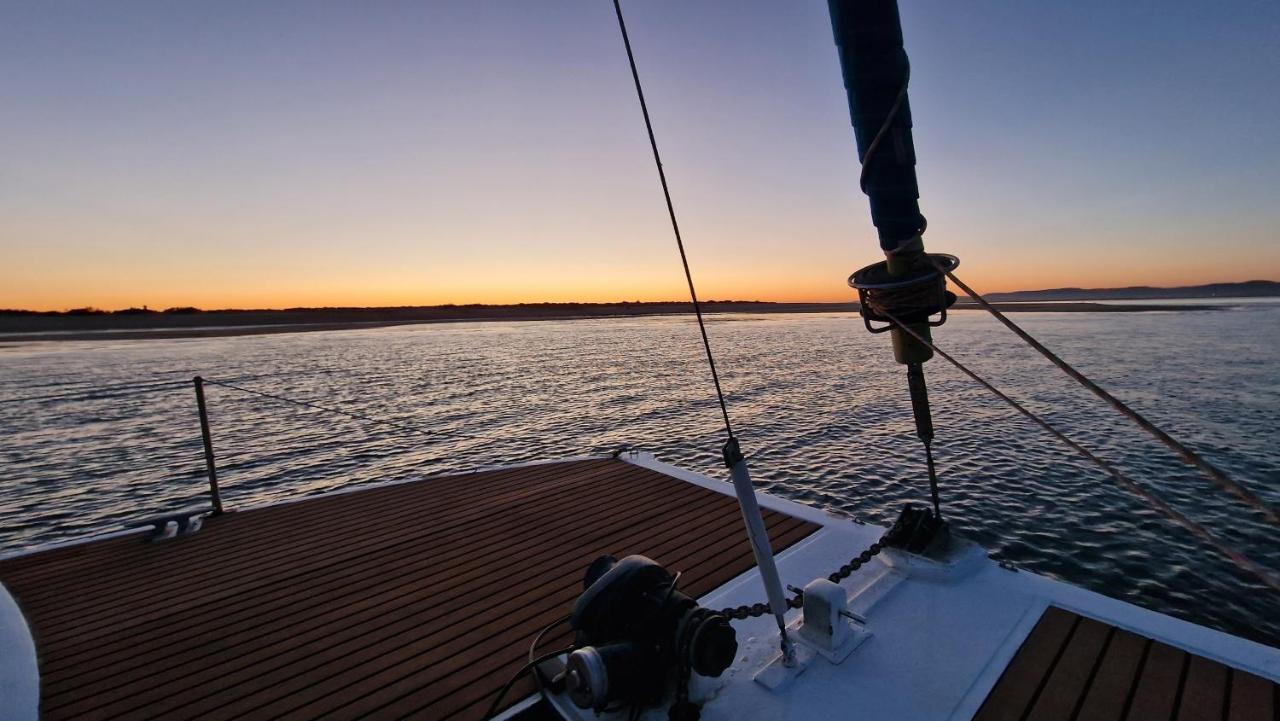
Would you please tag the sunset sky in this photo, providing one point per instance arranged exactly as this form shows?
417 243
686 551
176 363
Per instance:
257 154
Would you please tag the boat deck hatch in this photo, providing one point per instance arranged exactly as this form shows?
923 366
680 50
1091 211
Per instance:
1073 667
383 603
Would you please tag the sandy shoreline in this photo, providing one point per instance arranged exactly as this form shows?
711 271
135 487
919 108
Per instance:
30 329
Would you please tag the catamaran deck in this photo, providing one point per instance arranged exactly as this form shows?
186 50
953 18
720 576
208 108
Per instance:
403 600
420 600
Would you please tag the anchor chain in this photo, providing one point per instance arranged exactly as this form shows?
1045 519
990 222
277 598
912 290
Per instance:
755 610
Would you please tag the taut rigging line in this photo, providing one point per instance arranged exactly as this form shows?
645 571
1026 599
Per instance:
733 458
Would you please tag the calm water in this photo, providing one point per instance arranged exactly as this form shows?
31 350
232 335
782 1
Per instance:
820 406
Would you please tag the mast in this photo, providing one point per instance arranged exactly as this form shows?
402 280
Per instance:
908 287
868 35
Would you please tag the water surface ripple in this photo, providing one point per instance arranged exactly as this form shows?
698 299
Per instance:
821 409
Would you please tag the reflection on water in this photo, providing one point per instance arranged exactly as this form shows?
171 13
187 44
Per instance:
821 408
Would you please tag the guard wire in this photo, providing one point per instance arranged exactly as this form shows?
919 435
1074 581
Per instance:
1189 456
675 226
349 414
101 392
1173 514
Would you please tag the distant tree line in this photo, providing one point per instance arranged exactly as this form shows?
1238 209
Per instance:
190 310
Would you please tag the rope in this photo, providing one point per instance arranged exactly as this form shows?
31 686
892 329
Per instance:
675 227
1240 559
349 414
884 128
881 134
1187 455
909 301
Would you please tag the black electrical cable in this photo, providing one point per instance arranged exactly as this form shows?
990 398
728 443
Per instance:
675 227
533 649
497 700
533 661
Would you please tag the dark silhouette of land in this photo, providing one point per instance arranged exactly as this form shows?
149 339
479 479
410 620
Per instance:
134 323
1247 289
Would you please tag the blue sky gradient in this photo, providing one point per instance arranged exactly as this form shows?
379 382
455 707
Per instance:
323 153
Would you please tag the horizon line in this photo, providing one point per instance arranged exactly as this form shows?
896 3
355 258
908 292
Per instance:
178 310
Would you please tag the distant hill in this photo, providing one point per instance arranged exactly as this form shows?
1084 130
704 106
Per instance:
1247 289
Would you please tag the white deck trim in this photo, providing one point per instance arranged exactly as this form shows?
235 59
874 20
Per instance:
774 503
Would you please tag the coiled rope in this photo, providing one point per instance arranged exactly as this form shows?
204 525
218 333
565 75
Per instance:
1173 514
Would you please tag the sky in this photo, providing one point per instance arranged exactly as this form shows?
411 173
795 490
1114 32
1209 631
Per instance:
250 154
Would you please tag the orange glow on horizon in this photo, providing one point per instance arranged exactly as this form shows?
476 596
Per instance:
811 286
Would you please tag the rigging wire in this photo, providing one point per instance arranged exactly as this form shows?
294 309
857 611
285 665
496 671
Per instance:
1189 456
675 226
1173 514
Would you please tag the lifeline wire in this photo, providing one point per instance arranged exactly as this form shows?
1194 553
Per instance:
675 227
349 414
103 392
1188 455
1240 559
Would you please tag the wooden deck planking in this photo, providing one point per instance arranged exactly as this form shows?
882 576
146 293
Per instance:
1081 669
1109 693
1017 687
359 626
461 566
1064 687
416 599
260 543
1253 698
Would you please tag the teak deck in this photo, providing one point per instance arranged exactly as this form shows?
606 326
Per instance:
409 600
1072 667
